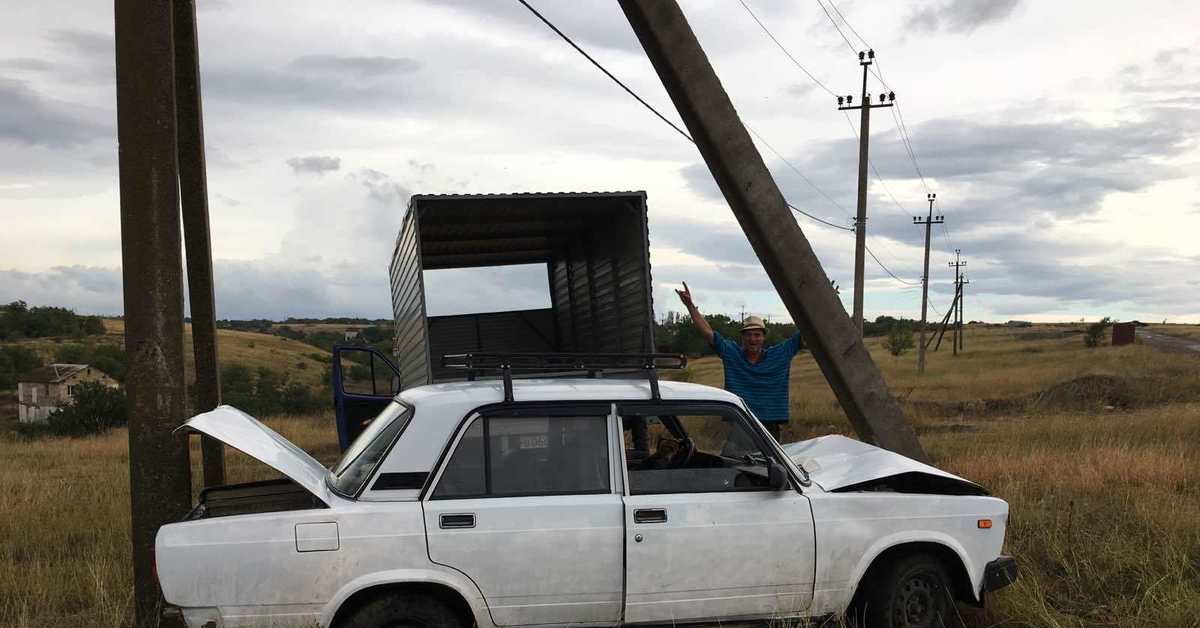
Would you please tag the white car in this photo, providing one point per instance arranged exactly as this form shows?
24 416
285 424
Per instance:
591 502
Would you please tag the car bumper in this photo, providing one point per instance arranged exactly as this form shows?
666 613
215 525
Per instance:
999 573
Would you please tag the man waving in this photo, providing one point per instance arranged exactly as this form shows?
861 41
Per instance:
756 374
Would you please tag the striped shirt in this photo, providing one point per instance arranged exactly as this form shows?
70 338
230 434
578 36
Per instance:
764 386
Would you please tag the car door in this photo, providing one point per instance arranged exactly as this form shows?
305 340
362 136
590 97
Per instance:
364 382
527 504
707 538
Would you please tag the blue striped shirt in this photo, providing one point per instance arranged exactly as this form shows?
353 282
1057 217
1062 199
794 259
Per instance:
764 385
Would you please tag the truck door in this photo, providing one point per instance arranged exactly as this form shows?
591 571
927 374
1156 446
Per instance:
706 536
364 382
526 505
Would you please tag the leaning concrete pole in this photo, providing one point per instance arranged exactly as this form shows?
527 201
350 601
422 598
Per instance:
772 230
193 189
152 269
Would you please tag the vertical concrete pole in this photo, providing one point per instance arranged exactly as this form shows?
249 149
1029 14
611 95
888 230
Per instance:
159 482
860 217
193 190
770 227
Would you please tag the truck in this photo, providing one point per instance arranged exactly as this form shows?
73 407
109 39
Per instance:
584 500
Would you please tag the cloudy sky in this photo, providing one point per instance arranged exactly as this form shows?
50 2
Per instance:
1060 138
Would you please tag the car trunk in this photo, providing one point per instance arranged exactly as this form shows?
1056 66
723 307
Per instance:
302 488
253 497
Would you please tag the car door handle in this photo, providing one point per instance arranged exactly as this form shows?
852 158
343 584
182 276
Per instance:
650 515
466 520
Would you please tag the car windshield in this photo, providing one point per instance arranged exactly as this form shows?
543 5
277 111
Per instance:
358 463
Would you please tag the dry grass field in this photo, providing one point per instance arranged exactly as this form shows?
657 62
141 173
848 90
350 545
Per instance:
1096 451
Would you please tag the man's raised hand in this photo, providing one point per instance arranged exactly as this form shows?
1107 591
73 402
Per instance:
685 295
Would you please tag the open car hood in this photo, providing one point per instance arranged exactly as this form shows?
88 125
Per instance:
249 436
842 464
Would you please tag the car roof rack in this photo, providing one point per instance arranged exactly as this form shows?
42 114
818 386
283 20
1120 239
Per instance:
594 363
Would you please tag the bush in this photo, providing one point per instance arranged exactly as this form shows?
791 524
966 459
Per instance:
899 339
1095 332
94 409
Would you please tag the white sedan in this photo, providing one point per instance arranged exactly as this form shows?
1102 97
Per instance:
577 501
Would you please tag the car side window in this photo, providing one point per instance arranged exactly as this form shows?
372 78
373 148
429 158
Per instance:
514 456
695 451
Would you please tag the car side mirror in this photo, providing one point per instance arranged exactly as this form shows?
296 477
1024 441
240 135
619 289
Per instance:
776 476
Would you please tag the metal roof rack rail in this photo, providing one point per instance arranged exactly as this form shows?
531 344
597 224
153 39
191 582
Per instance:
594 363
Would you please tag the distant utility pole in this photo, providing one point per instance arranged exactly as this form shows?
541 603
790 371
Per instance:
860 221
956 265
962 336
928 222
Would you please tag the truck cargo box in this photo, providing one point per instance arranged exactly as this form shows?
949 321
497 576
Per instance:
595 248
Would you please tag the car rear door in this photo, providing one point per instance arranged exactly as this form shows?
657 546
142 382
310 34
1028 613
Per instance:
706 537
527 504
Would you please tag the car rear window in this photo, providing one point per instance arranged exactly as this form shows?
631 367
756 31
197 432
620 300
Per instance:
367 451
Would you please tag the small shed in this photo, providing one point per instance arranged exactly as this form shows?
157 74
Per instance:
594 245
44 390
1123 333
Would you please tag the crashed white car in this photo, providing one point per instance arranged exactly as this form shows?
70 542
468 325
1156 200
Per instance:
577 501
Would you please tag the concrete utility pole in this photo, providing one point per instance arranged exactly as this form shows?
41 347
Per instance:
193 188
860 221
928 222
956 265
769 225
152 269
962 336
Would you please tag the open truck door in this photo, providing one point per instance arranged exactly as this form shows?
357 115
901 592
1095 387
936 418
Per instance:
364 382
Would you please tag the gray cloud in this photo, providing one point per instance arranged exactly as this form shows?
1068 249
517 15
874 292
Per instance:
28 118
88 289
27 64
961 16
362 67
317 164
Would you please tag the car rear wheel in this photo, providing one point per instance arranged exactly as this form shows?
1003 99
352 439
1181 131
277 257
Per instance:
913 592
403 611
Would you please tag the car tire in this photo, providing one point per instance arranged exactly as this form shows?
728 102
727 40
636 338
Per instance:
403 611
912 592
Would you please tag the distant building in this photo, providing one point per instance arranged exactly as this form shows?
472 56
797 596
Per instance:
1019 324
43 390
351 334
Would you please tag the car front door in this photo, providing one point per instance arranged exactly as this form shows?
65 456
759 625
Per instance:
364 382
707 537
528 505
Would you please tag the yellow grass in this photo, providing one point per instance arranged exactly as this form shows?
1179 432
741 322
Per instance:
1105 502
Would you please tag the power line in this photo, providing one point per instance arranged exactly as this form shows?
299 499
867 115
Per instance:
838 28
606 72
887 270
848 24
795 169
785 50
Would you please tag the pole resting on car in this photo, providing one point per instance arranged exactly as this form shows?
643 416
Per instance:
564 364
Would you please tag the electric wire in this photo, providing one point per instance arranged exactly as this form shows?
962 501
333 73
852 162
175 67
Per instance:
605 71
796 170
785 50
838 28
848 24
887 270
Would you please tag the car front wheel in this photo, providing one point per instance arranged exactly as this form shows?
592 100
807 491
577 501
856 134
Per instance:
913 592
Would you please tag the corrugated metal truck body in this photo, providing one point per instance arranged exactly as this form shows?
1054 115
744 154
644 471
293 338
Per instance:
595 247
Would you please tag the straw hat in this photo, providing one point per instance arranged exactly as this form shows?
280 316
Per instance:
753 322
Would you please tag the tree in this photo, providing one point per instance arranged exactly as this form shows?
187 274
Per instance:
1095 332
94 409
899 339
15 360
